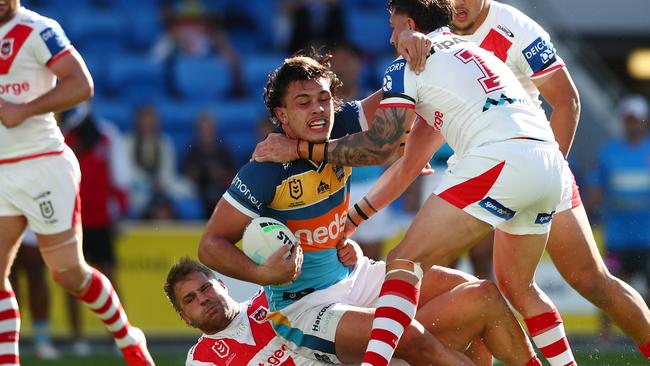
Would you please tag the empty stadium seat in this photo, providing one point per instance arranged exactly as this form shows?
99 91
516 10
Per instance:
208 77
135 76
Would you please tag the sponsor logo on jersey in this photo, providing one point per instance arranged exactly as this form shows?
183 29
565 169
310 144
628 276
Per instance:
339 172
259 315
6 48
323 187
447 43
319 318
388 83
295 188
14 88
323 231
502 101
277 357
243 189
54 40
544 218
394 77
221 348
505 30
496 208
322 358
438 120
539 54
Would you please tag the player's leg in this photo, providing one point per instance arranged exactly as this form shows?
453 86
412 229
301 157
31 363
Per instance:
11 231
574 252
424 243
480 255
39 299
474 309
354 329
515 260
62 254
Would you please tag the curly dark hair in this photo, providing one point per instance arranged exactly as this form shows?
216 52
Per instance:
311 65
428 15
179 271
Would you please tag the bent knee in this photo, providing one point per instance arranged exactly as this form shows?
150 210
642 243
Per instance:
71 279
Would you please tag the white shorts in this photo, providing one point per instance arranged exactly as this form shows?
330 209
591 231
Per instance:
514 185
45 190
309 325
570 192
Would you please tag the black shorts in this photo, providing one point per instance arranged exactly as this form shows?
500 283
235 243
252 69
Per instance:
628 262
98 246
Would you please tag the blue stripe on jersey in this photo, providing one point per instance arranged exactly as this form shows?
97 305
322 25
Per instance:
55 40
301 339
540 54
320 270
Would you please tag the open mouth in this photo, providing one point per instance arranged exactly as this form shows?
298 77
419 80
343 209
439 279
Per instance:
461 15
318 123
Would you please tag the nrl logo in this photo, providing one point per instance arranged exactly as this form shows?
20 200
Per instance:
6 48
47 210
295 189
221 348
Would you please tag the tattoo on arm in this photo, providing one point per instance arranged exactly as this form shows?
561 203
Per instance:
374 146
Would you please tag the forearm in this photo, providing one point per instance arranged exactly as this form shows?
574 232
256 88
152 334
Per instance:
377 144
68 92
224 257
564 122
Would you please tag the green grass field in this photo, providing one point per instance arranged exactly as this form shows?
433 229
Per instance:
604 358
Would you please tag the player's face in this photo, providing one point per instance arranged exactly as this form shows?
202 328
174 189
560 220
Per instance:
205 303
8 9
398 23
309 110
470 14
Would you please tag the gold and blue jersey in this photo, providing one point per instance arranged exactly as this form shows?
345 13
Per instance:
312 200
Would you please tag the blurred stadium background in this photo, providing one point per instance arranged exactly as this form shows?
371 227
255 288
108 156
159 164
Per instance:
605 44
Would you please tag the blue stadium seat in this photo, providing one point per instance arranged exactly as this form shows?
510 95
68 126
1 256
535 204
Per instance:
101 31
368 30
135 76
256 69
97 65
188 208
117 111
205 78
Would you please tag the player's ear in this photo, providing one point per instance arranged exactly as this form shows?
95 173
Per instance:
281 115
410 24
184 317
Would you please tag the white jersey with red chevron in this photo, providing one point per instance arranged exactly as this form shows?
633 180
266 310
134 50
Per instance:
467 94
249 340
519 42
29 43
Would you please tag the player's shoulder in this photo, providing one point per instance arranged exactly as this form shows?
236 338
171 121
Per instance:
513 21
35 20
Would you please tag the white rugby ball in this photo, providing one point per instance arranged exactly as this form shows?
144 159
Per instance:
264 236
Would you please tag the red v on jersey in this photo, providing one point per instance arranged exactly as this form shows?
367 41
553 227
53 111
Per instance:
11 44
497 43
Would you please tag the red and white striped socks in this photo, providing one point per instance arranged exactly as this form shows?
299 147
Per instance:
9 328
547 332
101 298
396 306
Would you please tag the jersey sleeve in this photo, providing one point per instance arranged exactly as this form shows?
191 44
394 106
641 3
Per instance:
350 119
399 86
51 42
538 56
253 188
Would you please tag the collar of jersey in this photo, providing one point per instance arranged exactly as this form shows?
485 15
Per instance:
439 31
